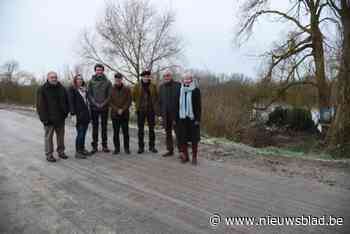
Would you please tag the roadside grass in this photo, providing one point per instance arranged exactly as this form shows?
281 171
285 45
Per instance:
309 149
292 153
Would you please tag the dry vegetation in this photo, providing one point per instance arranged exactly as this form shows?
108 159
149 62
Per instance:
17 94
227 107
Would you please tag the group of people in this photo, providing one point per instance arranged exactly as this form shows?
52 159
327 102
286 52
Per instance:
177 104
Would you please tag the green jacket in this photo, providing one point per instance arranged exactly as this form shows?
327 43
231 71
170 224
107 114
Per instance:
99 92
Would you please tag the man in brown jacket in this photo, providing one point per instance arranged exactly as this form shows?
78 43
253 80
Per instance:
120 102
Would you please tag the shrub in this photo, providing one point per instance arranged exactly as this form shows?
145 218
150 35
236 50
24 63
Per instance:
278 117
296 119
18 94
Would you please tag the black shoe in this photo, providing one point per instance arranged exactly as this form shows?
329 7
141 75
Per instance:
116 152
63 156
168 154
93 151
140 151
85 153
106 150
50 159
79 155
153 150
127 151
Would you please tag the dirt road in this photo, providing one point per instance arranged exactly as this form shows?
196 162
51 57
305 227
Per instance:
145 193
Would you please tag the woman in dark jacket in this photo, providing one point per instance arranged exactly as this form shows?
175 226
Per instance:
79 106
189 118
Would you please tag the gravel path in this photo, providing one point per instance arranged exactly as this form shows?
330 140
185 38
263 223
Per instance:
147 193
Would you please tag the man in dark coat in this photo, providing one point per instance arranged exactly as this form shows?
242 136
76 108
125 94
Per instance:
99 92
169 94
53 107
120 103
145 96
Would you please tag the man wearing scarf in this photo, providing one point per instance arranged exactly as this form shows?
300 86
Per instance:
99 92
145 96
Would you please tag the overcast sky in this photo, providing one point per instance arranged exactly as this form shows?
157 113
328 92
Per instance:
43 35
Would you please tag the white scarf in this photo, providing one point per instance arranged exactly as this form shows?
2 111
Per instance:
186 108
83 93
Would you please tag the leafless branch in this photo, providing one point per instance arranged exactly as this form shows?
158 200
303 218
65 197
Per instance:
134 36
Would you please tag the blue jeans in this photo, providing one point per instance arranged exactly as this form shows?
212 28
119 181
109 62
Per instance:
80 140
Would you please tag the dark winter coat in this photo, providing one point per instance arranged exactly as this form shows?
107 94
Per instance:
169 95
99 92
187 129
52 104
79 107
120 99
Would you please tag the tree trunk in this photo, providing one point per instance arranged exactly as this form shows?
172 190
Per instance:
339 137
318 54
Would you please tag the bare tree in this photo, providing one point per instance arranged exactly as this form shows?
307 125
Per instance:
305 42
7 77
9 69
133 36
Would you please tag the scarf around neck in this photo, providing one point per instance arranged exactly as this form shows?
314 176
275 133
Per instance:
83 92
99 77
186 108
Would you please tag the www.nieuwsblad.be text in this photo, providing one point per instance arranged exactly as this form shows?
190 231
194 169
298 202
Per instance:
304 220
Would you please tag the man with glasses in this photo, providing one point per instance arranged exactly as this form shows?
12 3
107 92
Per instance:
52 107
